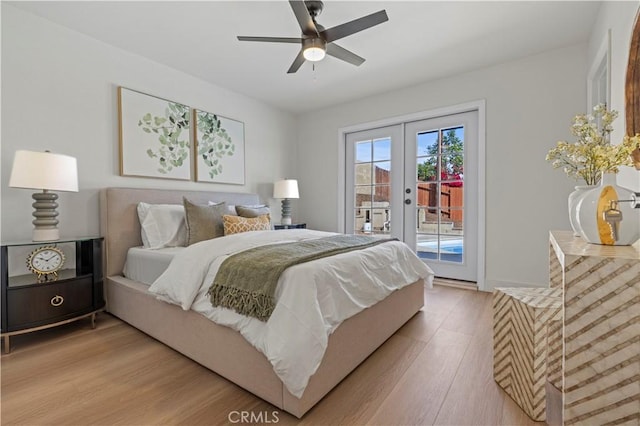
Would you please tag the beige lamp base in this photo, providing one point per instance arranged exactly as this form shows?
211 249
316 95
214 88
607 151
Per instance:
45 214
46 234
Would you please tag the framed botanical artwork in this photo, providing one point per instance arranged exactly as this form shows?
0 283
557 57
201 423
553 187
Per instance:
154 136
219 148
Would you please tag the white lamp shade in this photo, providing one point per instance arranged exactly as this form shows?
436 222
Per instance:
44 170
287 188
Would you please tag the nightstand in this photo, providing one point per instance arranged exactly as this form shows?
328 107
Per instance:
291 226
31 304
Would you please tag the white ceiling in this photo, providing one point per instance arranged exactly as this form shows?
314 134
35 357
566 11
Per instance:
423 40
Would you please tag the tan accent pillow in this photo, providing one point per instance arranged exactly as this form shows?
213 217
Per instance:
237 224
203 222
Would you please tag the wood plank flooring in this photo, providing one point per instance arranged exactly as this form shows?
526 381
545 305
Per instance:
437 370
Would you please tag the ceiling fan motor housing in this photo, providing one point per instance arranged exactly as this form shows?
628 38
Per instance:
314 7
316 42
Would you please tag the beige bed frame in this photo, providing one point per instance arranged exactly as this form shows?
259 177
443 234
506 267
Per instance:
220 348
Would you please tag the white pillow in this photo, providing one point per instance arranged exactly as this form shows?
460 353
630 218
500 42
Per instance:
162 225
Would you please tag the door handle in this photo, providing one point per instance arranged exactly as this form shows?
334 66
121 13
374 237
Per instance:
407 201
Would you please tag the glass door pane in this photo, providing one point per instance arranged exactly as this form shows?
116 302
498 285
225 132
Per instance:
439 187
372 160
372 186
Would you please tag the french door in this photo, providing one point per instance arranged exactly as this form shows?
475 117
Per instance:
418 182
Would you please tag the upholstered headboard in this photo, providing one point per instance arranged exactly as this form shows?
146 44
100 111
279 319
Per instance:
119 223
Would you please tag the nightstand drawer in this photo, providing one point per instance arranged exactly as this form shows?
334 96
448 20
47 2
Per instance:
41 304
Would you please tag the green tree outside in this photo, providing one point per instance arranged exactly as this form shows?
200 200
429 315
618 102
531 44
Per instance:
451 159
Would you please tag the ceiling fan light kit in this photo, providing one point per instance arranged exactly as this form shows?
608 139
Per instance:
313 49
316 41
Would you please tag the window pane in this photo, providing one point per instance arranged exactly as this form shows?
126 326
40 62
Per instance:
452 161
363 221
427 246
363 151
363 174
363 197
453 139
381 195
456 217
427 194
427 221
382 172
452 166
427 169
451 195
382 149
451 248
380 220
446 222
427 143
451 221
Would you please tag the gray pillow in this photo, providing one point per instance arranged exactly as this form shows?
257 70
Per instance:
252 211
204 222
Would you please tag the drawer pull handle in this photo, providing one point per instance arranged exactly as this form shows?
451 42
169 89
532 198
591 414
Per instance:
57 300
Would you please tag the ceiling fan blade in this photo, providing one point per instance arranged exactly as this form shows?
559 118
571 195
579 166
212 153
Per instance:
352 27
297 63
271 39
307 25
342 53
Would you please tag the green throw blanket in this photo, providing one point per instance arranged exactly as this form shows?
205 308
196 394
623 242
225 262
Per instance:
246 281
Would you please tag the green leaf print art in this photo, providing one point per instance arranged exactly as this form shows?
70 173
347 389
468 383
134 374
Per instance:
173 136
219 148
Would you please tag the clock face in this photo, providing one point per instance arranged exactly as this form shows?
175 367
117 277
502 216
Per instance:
45 260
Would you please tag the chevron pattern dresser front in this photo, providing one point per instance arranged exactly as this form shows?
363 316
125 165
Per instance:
601 330
521 317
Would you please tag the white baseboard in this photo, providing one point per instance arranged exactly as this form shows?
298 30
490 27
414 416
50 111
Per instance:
491 285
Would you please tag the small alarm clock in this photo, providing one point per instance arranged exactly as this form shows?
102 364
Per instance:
45 262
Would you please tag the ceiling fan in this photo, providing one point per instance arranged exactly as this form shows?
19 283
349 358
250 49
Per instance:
316 40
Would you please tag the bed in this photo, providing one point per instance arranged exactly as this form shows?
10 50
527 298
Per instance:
350 344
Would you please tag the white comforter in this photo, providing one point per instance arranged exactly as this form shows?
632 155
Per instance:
313 298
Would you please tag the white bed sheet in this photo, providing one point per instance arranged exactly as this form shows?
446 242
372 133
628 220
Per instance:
295 337
146 265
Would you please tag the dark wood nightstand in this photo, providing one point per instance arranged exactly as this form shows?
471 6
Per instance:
291 226
30 304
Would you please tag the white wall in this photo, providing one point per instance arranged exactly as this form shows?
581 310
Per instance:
530 104
619 17
59 93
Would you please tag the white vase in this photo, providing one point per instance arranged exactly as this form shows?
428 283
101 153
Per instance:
590 209
574 198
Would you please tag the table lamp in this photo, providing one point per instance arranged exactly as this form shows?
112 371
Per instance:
49 172
286 189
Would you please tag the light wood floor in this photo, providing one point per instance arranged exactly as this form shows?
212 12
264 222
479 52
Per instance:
437 369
